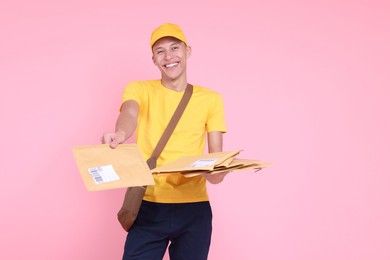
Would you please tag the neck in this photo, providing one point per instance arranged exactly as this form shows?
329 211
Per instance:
176 85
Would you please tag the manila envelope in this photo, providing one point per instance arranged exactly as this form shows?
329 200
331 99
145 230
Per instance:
242 164
201 163
103 168
235 164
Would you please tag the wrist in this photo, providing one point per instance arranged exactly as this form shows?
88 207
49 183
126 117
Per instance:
121 134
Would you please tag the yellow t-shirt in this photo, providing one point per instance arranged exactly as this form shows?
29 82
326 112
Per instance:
204 113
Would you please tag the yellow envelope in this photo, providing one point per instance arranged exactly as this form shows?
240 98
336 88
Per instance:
241 165
103 168
235 165
202 162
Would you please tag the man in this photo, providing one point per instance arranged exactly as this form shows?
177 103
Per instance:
176 210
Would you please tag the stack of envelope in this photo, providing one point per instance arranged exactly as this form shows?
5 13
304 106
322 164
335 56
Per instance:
210 163
103 168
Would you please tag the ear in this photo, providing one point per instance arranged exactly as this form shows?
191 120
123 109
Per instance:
154 60
189 51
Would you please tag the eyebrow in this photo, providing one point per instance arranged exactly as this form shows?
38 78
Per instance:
159 47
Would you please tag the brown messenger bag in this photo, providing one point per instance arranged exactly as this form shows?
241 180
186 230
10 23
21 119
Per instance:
134 195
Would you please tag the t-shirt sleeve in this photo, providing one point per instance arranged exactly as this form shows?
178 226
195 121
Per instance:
216 119
133 91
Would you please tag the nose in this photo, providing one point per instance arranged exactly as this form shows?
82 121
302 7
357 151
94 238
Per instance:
168 55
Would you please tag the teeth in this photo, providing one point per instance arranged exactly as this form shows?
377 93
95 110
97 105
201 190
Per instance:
171 65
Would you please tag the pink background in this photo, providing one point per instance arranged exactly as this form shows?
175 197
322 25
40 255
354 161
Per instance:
305 85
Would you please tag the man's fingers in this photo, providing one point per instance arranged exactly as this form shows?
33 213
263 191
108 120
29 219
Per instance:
106 138
113 139
114 144
109 138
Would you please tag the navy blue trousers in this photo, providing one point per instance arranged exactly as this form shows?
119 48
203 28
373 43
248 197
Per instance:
185 227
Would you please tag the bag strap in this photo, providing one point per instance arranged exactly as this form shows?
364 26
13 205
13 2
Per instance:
152 161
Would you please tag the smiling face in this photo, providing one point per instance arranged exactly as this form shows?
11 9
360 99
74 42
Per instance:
170 56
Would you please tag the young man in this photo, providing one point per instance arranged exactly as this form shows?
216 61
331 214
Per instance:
176 209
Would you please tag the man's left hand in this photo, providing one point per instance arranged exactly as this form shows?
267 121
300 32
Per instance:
215 178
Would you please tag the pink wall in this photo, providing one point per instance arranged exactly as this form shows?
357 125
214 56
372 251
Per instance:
306 87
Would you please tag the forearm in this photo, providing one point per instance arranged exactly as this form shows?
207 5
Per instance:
125 124
215 142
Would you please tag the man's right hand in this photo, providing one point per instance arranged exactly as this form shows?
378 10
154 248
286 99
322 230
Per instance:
125 125
113 139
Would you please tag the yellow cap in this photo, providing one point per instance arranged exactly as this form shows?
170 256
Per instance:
165 30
